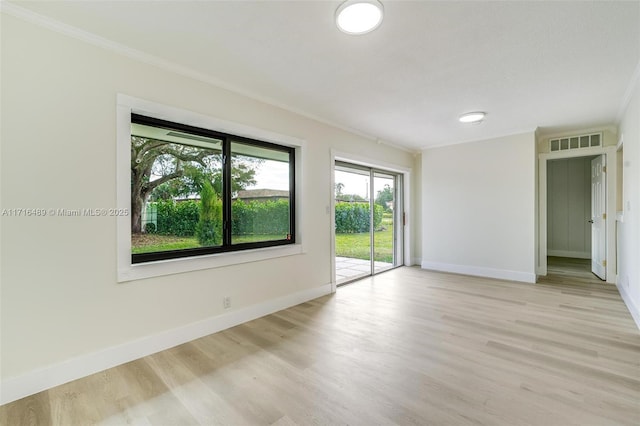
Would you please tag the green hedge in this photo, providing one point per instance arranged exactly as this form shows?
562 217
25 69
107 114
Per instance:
178 219
255 218
355 217
252 218
260 218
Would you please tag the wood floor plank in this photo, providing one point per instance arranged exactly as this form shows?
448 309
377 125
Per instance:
407 347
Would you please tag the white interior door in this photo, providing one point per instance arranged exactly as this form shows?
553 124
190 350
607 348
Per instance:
598 218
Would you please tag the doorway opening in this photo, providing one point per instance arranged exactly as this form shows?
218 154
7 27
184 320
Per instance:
577 220
368 232
576 237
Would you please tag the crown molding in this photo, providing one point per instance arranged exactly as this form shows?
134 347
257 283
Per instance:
486 138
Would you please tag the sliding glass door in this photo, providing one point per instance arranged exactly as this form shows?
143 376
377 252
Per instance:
384 236
368 210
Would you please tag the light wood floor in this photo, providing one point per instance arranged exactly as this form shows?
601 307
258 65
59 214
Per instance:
578 270
406 347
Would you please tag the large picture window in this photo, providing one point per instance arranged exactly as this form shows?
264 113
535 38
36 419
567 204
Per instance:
196 191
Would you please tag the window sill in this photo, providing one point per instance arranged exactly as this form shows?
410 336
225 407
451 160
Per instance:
140 271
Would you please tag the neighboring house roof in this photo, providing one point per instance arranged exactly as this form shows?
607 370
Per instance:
246 194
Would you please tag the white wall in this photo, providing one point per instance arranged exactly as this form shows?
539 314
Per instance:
569 207
416 225
61 305
629 230
478 208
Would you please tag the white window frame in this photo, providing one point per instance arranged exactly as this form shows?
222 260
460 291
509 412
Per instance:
128 271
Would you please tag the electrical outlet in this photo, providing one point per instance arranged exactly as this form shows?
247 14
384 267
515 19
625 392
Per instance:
226 302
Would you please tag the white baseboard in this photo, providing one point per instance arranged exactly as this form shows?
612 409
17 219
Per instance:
75 368
479 271
567 253
626 297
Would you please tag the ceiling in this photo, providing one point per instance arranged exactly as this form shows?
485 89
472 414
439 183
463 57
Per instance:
555 66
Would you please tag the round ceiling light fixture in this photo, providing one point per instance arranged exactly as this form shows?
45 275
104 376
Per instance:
359 16
472 117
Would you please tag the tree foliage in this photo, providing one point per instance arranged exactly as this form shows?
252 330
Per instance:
384 197
187 185
209 227
162 161
350 198
163 170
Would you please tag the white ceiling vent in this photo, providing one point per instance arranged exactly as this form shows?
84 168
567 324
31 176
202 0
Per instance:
575 142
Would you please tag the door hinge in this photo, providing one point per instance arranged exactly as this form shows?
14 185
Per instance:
604 263
604 169
604 215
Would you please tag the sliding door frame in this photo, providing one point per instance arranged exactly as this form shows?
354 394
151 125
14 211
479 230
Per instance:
403 217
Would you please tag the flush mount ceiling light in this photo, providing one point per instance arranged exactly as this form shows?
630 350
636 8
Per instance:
359 16
472 117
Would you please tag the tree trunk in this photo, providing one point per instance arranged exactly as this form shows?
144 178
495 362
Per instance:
136 215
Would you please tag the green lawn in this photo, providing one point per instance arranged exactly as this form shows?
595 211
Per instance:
347 245
149 243
358 245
